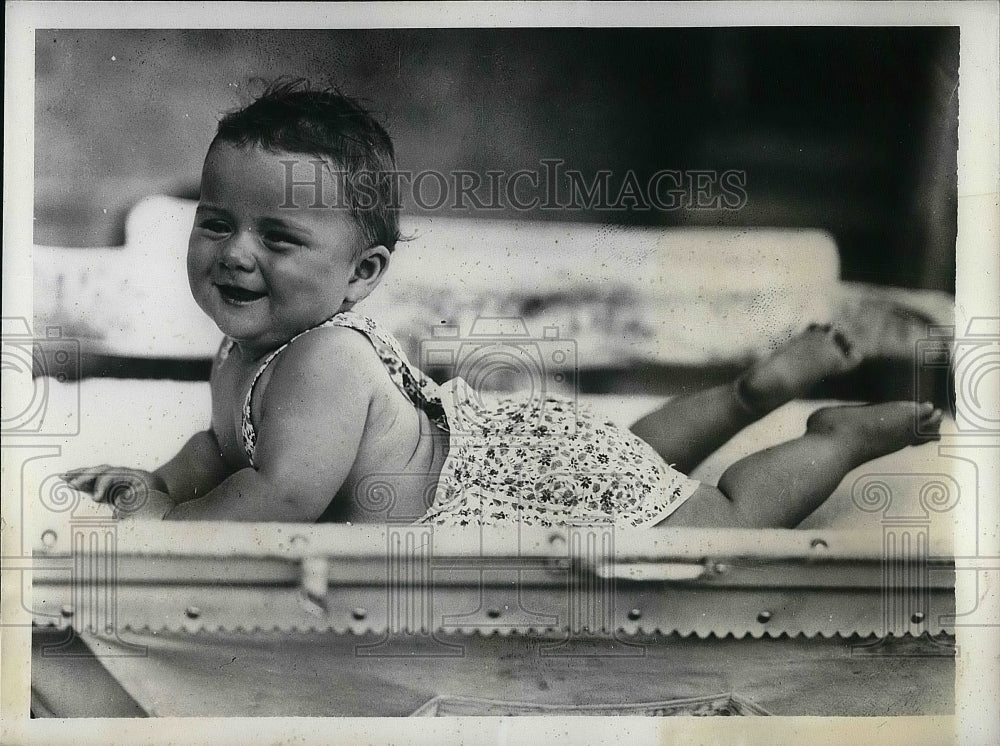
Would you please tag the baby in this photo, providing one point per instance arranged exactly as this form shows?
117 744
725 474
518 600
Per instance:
313 403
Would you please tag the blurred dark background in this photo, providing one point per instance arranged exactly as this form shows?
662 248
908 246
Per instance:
849 129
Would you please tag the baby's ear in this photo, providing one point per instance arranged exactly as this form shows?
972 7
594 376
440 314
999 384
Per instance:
369 268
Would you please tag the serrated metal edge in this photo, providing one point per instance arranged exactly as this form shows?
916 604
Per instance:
550 634
715 632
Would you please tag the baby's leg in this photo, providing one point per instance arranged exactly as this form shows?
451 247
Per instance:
687 429
780 486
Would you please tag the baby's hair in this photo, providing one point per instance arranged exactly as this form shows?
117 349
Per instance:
294 116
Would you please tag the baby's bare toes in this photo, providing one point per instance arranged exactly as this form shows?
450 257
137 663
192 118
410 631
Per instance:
793 370
842 342
819 327
825 334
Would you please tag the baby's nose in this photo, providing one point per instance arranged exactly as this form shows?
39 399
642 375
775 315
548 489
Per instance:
237 253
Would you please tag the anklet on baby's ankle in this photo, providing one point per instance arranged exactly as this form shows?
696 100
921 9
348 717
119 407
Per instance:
743 399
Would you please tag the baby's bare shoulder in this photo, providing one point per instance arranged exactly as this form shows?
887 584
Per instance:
331 355
314 410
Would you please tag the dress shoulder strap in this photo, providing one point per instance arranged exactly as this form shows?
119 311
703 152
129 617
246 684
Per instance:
412 382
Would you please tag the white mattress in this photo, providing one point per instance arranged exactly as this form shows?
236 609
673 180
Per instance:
142 423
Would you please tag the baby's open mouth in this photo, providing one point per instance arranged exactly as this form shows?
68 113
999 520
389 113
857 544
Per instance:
236 294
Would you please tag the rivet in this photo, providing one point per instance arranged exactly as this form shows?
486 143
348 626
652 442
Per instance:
192 612
298 541
819 545
720 568
359 613
557 540
635 614
764 617
493 613
917 617
66 611
49 538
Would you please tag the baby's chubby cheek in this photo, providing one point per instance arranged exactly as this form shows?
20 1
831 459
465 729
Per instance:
198 274
193 270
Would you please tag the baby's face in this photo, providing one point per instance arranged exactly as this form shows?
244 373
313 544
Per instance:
262 271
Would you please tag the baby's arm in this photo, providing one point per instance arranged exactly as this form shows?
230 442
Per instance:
196 469
135 493
311 420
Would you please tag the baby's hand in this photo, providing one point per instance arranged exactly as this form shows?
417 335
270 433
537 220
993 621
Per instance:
133 493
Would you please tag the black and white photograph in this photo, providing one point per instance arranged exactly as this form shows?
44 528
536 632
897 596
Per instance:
500 364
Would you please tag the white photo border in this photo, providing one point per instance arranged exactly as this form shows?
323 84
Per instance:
978 295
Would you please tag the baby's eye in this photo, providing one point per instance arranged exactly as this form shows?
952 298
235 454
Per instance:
214 226
280 240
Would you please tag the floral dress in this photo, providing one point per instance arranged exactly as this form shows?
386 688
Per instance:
540 461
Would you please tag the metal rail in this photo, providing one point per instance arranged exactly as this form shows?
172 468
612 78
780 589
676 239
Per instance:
422 580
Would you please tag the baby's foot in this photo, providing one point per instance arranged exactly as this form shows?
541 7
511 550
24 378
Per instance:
804 361
878 429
